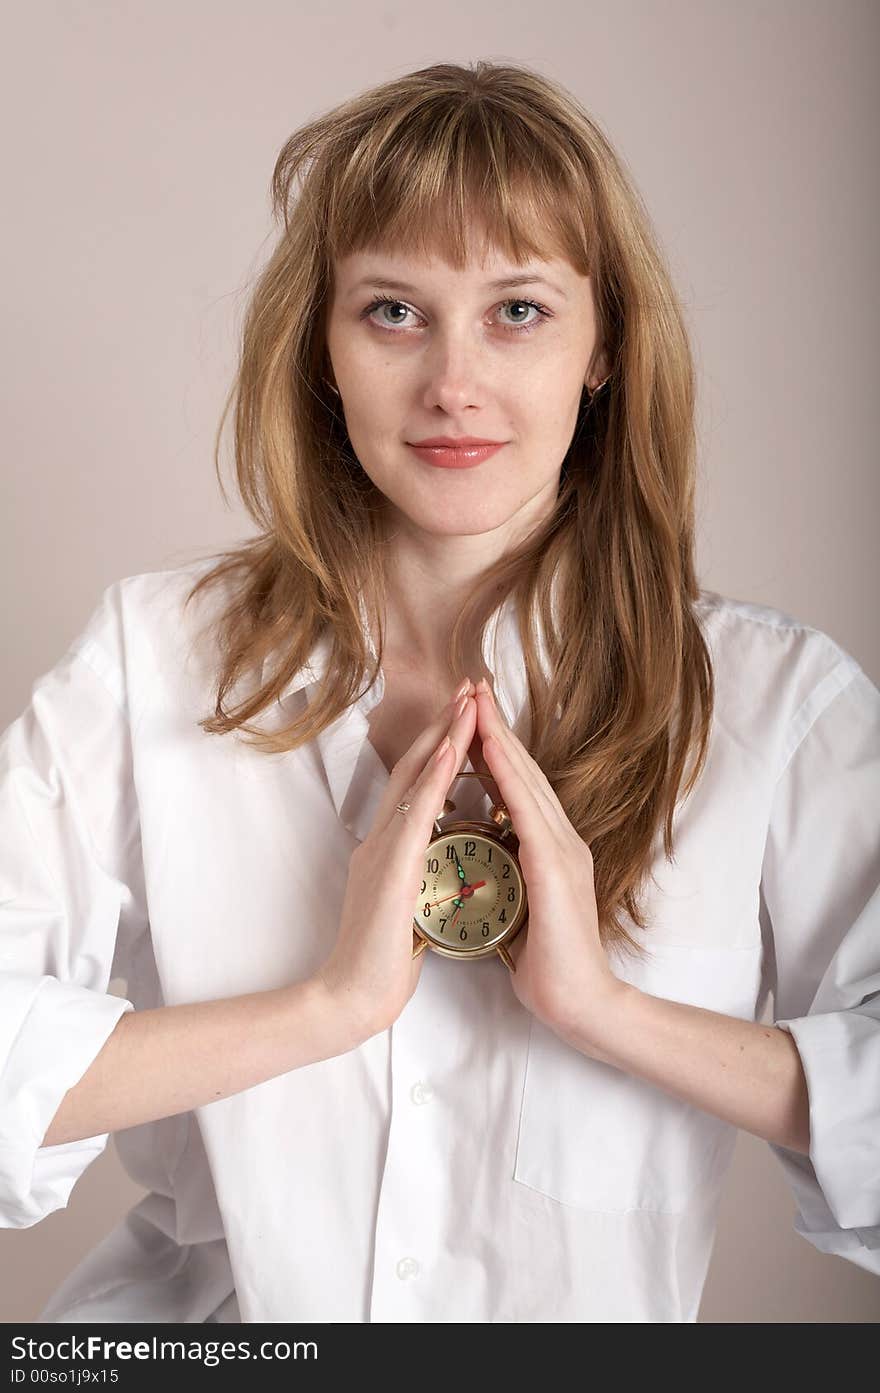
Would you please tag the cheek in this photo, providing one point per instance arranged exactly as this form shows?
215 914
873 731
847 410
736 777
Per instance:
541 399
374 402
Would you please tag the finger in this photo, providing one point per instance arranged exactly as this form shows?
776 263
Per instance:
536 830
412 769
412 829
481 768
411 763
520 762
486 710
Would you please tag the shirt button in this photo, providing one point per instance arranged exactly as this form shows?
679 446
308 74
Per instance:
407 1267
421 1092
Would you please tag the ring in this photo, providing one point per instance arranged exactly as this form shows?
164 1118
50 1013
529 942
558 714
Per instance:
403 807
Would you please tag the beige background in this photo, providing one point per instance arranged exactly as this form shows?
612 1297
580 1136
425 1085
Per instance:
138 141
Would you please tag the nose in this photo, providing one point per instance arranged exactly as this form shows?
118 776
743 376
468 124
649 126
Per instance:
454 373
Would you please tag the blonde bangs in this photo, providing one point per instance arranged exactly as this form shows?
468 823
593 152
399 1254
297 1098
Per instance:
423 188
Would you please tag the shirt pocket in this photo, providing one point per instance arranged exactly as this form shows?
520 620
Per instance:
596 1137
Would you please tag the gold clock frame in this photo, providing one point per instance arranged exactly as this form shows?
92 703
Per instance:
500 819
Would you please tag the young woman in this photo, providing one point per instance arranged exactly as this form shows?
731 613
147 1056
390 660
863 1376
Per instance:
223 793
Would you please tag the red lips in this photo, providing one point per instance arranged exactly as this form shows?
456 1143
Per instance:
459 457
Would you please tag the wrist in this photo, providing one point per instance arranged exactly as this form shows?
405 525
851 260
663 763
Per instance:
344 1020
330 1031
595 1027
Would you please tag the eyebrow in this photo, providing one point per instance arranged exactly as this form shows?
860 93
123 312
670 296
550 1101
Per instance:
504 283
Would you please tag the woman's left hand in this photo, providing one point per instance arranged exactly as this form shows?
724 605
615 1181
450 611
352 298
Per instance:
562 971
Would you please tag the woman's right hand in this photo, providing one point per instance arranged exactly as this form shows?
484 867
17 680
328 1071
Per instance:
371 974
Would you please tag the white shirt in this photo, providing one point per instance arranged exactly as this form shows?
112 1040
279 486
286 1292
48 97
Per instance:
465 1165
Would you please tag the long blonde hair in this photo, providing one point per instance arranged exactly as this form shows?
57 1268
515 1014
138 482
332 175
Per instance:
400 166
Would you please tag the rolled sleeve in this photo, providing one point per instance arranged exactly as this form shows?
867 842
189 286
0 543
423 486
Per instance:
821 911
72 906
62 1028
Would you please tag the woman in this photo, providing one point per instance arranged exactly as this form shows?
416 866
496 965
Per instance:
331 1124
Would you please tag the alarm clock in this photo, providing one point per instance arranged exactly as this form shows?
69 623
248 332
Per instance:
472 901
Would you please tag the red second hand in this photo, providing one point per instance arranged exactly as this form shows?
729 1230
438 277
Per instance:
465 891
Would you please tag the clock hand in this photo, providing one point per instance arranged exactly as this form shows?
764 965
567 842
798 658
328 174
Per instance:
465 895
466 892
461 874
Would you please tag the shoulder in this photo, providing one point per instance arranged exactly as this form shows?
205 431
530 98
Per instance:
768 644
142 606
158 593
774 673
142 630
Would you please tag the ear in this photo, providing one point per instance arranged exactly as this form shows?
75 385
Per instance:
599 371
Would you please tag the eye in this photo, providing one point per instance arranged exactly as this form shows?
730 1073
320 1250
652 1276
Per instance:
383 301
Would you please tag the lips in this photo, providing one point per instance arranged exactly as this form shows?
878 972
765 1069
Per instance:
456 457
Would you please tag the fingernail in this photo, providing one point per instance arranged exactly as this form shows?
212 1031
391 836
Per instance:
460 705
483 686
462 689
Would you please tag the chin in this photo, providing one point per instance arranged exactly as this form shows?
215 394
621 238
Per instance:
453 524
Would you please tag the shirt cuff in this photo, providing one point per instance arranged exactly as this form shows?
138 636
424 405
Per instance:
52 1032
840 1053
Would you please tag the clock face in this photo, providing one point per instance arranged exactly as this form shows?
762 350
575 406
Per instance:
472 892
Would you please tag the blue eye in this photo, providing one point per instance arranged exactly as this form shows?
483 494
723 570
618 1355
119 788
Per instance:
381 300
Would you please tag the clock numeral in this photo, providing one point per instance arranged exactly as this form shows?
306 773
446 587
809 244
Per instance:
505 874
511 895
427 910
470 849
433 866
424 887
502 917
462 933
489 854
485 930
442 925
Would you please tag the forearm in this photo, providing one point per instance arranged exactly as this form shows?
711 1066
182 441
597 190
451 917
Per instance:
745 1072
169 1059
